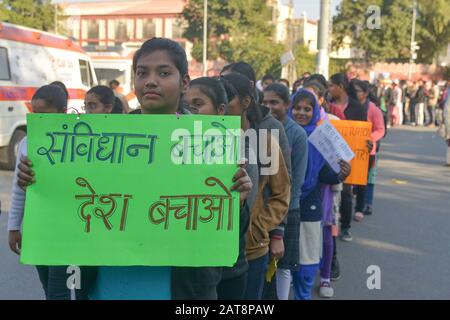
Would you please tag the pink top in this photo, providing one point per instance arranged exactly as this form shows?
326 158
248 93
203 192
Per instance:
338 110
375 116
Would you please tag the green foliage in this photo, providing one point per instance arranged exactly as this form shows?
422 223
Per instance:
337 66
304 60
237 30
38 14
392 41
434 31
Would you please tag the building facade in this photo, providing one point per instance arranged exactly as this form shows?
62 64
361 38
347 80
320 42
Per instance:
117 22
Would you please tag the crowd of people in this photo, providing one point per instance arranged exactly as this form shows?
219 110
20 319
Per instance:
290 218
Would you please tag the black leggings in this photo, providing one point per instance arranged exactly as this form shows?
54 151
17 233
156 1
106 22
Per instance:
54 282
233 289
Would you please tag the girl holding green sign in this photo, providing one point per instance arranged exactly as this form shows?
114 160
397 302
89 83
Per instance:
161 78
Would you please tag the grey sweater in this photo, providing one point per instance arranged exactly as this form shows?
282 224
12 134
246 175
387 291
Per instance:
270 123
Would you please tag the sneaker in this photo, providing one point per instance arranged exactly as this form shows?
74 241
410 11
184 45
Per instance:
325 290
346 236
368 211
335 270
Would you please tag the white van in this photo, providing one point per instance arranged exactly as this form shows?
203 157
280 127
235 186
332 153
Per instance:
29 59
116 63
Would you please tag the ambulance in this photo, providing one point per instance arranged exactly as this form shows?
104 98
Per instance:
29 59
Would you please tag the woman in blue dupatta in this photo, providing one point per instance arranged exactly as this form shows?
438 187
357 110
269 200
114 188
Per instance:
305 111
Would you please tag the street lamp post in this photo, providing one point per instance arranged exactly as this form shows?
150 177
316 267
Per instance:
414 46
205 37
324 27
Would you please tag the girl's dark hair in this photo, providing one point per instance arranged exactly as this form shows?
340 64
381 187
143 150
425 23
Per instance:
267 77
117 107
298 83
280 90
373 90
241 84
106 96
285 81
304 96
213 89
243 68
53 96
244 89
317 77
340 79
62 86
230 91
175 51
320 89
365 86
321 92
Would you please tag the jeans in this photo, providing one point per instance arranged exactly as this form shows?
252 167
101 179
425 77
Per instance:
431 114
304 281
369 194
360 198
412 112
346 206
361 191
439 117
256 276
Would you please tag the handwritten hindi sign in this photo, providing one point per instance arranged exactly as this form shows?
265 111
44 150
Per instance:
331 145
124 190
356 133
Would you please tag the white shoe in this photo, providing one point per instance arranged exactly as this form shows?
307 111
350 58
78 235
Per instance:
325 290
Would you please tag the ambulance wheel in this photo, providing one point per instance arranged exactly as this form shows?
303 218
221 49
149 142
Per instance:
13 148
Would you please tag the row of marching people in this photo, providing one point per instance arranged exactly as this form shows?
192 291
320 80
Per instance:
290 207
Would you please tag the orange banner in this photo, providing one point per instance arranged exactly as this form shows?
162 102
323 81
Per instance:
356 133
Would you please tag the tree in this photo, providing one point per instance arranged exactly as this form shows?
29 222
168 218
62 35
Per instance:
393 40
304 60
434 29
38 14
350 22
237 30
3 11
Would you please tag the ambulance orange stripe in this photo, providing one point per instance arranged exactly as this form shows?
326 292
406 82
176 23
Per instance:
39 38
130 96
26 93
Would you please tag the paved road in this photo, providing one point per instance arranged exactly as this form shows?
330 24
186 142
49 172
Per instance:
16 281
407 237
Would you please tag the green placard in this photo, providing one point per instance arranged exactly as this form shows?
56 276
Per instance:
125 190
